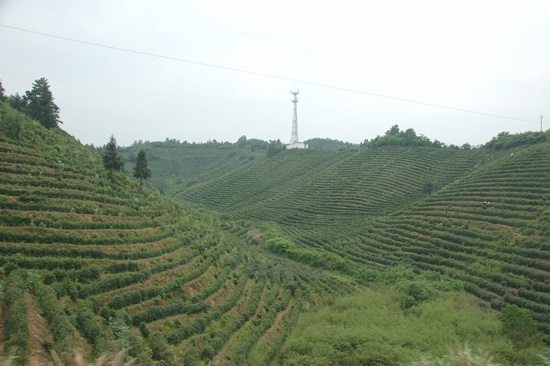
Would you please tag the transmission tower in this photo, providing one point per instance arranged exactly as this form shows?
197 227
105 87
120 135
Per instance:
294 136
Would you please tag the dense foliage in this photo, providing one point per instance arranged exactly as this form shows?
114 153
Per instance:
275 147
372 328
326 143
396 137
505 140
38 103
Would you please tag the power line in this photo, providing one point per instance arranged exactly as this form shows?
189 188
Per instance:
142 53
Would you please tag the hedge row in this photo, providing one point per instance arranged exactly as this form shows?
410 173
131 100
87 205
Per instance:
16 327
58 320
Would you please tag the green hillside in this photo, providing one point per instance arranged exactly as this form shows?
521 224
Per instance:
485 222
307 185
90 264
176 165
97 265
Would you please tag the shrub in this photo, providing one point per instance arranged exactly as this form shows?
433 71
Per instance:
88 326
60 325
11 122
518 325
15 328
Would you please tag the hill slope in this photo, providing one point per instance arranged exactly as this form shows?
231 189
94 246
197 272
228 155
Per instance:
331 185
486 221
176 165
94 265
98 265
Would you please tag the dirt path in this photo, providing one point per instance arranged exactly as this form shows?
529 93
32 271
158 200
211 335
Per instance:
39 332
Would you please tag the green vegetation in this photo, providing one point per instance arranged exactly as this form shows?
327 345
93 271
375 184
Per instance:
177 165
275 147
141 170
519 326
37 103
477 215
372 328
314 256
2 92
113 162
395 137
505 140
111 265
381 326
326 143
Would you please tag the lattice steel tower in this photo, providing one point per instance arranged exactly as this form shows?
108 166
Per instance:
294 136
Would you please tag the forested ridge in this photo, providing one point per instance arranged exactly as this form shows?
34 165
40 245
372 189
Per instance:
250 251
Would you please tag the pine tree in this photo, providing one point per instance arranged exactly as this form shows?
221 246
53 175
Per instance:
141 170
2 92
111 160
39 104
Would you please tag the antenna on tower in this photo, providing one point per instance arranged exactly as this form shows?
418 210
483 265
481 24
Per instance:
294 136
294 141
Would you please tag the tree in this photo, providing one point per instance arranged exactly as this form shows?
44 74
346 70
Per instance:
111 160
393 131
275 147
40 105
2 92
409 133
241 140
141 170
428 187
17 102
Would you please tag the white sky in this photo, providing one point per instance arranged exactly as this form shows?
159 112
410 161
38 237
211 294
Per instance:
486 56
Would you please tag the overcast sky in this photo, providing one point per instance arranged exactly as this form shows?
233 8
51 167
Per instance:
485 56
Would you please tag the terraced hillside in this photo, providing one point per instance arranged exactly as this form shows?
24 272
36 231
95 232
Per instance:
490 229
486 222
95 265
177 165
314 186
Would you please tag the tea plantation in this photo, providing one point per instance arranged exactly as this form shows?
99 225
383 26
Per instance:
226 270
97 265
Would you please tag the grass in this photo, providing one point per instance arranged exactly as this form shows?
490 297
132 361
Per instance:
372 328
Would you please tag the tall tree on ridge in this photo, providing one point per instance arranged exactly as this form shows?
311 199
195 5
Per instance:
141 170
40 105
111 159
